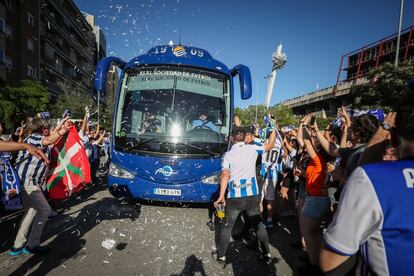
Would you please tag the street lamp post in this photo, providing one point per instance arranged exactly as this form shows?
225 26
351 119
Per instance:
257 98
99 102
397 52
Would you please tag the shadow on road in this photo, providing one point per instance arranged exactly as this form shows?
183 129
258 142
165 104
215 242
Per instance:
11 220
245 261
285 232
70 235
192 266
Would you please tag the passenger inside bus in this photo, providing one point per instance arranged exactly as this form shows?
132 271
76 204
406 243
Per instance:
150 124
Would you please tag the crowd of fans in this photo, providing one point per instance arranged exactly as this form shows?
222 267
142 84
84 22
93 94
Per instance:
335 178
348 184
28 149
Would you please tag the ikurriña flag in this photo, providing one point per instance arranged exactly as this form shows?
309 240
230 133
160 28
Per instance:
69 169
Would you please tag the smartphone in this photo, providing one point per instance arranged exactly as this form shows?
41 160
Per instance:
312 121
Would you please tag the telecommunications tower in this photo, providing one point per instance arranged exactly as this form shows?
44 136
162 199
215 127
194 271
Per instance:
278 60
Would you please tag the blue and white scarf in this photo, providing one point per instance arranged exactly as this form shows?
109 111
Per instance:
12 193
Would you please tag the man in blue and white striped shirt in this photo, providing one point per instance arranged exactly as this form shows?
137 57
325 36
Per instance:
32 173
239 177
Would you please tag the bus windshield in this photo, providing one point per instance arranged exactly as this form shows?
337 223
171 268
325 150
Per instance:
173 110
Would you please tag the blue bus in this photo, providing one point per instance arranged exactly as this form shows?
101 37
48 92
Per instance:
160 150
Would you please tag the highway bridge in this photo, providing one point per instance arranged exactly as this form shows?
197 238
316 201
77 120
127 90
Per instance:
327 99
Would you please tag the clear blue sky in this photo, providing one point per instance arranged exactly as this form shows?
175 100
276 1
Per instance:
315 34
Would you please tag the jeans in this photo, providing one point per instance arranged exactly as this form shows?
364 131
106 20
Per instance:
35 217
234 206
316 207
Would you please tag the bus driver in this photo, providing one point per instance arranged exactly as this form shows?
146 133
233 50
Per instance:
203 123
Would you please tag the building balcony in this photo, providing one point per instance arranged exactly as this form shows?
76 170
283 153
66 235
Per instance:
68 59
68 39
69 79
77 26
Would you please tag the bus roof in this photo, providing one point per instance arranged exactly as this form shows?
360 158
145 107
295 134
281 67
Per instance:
179 54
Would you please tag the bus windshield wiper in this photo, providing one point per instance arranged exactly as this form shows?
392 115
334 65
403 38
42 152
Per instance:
142 142
197 147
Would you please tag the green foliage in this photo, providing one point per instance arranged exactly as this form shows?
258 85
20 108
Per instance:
324 122
76 101
284 116
18 102
108 113
385 89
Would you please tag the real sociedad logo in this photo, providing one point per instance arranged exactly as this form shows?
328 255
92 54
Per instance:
166 171
179 51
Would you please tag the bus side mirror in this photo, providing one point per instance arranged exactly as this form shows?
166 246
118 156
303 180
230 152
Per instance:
245 80
102 70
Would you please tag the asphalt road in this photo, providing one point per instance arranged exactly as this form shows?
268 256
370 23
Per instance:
141 239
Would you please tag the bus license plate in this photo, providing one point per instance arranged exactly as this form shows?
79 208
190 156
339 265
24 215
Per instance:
170 192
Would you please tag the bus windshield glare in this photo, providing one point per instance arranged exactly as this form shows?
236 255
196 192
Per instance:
173 110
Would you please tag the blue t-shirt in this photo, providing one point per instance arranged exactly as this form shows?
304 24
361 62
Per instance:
205 124
375 215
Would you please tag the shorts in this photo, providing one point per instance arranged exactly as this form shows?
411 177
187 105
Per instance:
269 190
301 188
316 207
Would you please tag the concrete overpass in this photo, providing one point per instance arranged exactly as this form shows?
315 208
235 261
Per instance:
323 99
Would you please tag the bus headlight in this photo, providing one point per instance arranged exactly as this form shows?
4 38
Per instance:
116 171
214 179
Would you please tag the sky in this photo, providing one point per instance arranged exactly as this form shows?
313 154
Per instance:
315 34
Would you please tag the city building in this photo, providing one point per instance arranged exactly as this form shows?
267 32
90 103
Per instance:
49 41
358 63
67 48
100 40
19 41
100 52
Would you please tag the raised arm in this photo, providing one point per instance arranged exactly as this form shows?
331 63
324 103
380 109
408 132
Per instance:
59 131
303 122
237 121
329 147
21 132
308 143
96 132
287 145
272 139
376 146
13 146
100 138
84 122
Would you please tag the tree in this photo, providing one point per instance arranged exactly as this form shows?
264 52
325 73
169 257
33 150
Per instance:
284 115
108 112
73 100
17 102
76 101
385 89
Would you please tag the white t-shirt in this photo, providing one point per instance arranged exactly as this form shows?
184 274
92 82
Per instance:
240 161
85 141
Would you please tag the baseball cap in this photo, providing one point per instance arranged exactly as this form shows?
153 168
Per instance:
248 129
238 131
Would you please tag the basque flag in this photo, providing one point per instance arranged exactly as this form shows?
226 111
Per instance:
69 169
12 198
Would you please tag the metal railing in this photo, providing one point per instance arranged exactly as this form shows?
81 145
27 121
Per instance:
323 94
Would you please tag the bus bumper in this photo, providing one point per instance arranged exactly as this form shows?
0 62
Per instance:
142 189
